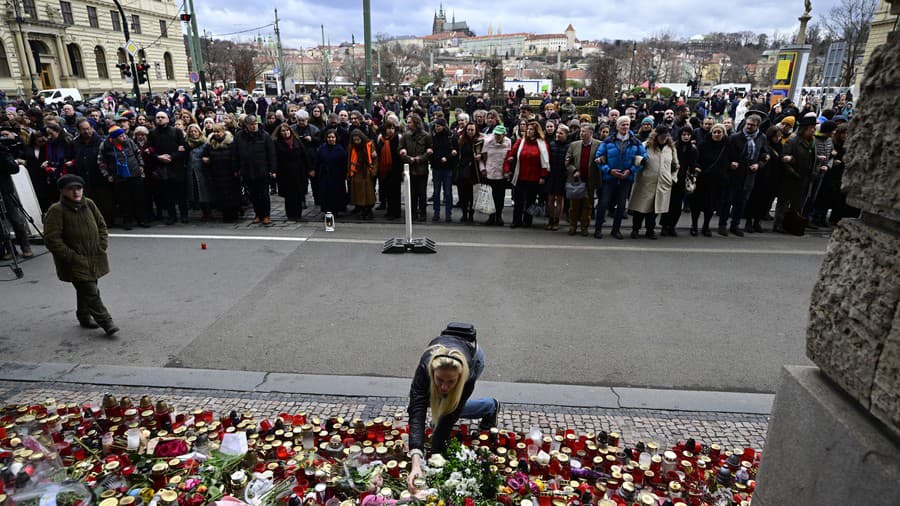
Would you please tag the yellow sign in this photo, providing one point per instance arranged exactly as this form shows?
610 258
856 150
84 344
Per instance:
132 48
784 70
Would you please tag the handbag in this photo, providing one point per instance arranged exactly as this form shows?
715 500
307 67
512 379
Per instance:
536 210
576 189
690 183
484 199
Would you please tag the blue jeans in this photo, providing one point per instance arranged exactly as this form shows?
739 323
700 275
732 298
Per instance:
616 191
478 408
443 180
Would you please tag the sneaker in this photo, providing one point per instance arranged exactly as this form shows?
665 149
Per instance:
110 328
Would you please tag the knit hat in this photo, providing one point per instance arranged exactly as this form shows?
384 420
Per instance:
128 115
441 121
648 119
499 130
115 131
789 120
69 180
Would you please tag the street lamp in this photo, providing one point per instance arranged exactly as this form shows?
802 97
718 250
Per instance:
25 46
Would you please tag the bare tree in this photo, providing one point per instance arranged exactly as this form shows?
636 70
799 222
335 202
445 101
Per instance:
850 21
602 71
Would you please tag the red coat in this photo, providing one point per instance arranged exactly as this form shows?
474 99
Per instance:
529 162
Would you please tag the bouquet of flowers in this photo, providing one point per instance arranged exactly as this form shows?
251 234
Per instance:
464 478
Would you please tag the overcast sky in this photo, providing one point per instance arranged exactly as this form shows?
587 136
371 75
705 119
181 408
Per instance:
301 19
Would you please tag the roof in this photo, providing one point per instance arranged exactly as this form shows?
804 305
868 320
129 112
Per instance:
445 36
500 36
546 36
569 28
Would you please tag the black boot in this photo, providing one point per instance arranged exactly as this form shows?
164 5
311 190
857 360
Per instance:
490 421
87 322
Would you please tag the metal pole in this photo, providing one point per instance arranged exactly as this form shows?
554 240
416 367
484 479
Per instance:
325 66
134 81
25 47
193 52
196 43
367 34
279 52
408 191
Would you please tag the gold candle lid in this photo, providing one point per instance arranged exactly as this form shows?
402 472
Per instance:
109 501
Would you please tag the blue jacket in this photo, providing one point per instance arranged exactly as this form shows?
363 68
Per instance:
613 158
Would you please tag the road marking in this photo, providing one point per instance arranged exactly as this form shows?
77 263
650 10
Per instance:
212 237
571 247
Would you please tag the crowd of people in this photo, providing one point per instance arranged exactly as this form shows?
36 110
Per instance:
644 158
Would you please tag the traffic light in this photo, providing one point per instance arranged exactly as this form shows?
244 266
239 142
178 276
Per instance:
142 69
185 17
124 68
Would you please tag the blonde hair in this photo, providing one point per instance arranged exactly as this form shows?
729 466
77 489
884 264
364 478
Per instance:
443 357
719 126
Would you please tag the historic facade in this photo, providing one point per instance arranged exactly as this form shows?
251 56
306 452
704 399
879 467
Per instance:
77 44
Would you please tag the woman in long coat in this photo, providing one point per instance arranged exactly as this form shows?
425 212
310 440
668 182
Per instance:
331 168
361 171
687 165
653 184
197 181
709 181
223 172
292 169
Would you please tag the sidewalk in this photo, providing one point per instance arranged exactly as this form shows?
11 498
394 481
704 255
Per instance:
729 419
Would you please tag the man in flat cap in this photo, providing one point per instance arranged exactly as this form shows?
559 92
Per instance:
76 235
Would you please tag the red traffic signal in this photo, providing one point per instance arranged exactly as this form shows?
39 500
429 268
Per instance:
185 17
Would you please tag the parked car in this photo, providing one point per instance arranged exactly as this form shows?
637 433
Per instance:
60 95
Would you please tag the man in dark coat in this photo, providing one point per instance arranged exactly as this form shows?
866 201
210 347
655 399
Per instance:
170 148
746 148
76 235
85 148
255 153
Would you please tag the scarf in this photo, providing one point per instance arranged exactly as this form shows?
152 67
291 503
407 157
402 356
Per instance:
751 144
385 160
122 169
354 165
545 157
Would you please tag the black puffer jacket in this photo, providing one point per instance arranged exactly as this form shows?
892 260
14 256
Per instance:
255 152
420 396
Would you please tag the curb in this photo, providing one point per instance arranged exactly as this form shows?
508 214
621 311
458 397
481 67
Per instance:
371 386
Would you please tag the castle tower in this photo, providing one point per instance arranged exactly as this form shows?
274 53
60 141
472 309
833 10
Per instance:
570 37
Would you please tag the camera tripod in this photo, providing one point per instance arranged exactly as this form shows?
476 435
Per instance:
6 243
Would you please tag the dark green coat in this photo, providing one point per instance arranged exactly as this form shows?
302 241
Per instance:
77 236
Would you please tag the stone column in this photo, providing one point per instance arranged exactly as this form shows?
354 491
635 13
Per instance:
834 434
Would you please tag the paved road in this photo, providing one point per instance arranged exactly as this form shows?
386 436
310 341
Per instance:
692 313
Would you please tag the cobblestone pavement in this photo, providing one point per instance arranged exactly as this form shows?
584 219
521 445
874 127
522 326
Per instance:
730 430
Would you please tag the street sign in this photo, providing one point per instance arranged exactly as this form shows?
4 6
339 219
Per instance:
132 48
195 77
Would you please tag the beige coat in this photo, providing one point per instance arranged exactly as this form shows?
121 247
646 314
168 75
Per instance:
653 184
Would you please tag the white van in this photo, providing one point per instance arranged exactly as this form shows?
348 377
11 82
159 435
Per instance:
59 95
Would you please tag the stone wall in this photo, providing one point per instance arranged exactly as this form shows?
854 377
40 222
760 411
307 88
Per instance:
854 329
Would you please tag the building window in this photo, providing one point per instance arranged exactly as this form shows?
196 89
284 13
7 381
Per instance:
92 17
121 56
4 63
30 9
66 9
75 58
163 28
135 23
116 21
100 57
170 68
